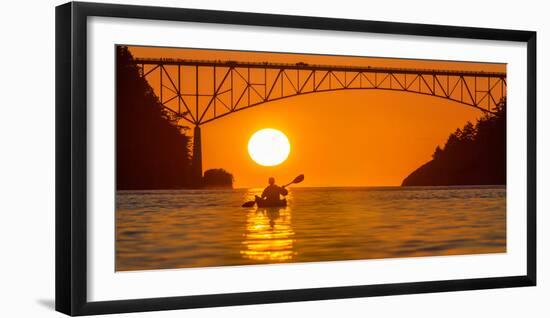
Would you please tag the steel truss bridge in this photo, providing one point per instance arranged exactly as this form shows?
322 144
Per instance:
198 92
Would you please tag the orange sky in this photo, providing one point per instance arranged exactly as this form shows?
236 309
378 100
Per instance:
343 138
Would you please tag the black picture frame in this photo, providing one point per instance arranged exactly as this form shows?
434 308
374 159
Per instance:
71 157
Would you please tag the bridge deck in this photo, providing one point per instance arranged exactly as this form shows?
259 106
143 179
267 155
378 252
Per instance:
316 67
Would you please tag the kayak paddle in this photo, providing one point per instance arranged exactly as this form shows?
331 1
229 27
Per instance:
298 179
249 204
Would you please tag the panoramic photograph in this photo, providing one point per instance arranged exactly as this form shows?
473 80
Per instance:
227 158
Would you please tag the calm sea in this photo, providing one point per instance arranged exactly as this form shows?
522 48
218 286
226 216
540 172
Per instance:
198 228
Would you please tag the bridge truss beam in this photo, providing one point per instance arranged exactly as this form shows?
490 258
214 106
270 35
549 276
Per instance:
199 92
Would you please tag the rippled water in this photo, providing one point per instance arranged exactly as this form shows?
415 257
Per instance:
198 228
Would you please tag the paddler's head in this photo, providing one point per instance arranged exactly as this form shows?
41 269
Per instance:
271 181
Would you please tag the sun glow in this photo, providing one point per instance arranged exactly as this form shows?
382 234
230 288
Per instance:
268 147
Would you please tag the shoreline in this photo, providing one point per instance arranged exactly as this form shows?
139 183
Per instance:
412 188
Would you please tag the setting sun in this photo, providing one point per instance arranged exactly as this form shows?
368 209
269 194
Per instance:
268 147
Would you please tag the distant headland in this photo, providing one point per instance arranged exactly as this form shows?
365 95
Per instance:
473 155
217 179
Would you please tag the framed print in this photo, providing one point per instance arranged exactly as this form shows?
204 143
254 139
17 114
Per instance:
208 158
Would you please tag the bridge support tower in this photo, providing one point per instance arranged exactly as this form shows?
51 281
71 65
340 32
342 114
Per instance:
196 161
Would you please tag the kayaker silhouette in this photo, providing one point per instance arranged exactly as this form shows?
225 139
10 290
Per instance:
271 195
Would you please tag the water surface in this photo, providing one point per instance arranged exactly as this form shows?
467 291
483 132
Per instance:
198 228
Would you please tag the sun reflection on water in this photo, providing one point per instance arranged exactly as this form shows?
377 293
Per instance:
269 235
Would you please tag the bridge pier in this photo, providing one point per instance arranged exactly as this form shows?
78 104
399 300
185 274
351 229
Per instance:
196 161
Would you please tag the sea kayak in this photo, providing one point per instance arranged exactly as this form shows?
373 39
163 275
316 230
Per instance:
265 204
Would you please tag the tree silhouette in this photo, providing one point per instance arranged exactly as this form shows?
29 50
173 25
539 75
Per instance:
152 151
473 155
